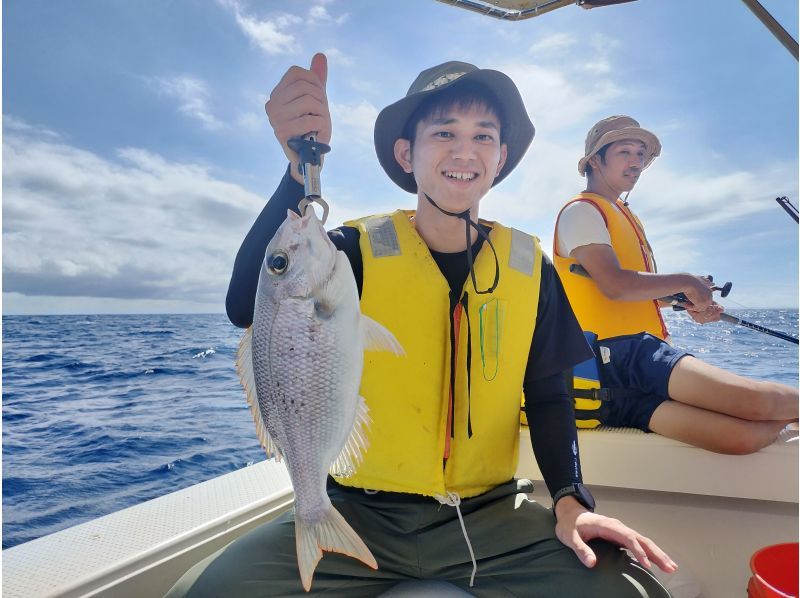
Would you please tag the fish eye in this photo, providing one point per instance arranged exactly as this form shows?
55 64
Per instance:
278 262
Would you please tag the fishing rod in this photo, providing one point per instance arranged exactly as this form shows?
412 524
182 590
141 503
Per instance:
790 209
679 298
679 301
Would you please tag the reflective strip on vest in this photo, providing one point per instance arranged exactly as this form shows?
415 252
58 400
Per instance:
382 237
523 252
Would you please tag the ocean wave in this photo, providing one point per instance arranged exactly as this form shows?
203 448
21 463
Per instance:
43 358
155 332
143 407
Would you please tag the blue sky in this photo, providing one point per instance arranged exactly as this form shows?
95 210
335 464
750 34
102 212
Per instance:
136 152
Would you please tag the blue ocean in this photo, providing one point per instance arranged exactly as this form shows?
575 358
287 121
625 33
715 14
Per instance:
102 412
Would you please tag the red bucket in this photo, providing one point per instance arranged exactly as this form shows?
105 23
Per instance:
774 572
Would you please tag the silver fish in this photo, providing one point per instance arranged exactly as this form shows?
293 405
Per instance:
300 364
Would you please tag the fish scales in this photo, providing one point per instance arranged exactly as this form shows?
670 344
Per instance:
309 394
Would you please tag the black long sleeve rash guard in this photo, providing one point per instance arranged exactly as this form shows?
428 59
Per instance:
558 342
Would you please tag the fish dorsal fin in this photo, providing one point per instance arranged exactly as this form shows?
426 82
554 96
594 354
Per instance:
378 338
244 367
352 454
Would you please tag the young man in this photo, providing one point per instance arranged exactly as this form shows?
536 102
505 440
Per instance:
444 436
654 386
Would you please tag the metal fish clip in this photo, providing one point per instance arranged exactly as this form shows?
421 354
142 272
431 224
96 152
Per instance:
310 151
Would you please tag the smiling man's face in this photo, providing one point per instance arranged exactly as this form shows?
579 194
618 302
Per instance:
456 156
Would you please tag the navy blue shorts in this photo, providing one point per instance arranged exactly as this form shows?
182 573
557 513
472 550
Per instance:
639 364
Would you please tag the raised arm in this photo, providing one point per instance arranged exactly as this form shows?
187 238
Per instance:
297 106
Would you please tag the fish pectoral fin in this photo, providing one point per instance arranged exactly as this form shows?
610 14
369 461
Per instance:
357 443
329 292
378 338
332 534
244 367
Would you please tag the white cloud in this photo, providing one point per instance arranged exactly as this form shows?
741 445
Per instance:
601 42
598 67
707 198
274 35
192 95
365 87
140 227
252 117
552 43
355 122
252 121
339 58
670 125
320 14
14 124
558 98
268 34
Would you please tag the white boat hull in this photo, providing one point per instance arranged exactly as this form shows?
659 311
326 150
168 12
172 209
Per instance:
709 512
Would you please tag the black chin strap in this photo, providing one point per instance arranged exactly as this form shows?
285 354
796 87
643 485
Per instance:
467 223
625 201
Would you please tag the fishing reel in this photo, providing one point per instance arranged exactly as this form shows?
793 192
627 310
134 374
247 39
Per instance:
678 298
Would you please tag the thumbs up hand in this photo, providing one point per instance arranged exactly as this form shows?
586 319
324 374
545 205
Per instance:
299 105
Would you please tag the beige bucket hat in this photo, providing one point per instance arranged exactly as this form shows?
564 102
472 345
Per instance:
617 128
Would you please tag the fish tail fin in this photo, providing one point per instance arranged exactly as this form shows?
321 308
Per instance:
332 534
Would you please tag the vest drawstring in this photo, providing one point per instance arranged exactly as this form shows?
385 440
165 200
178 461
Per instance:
481 233
452 499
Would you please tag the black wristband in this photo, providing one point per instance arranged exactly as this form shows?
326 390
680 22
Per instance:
579 492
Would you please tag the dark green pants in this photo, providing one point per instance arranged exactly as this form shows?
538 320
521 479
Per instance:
513 539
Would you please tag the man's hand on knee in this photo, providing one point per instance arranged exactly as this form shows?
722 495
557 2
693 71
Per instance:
576 526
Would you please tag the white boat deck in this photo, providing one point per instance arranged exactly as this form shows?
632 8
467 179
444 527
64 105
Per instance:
629 458
710 512
104 556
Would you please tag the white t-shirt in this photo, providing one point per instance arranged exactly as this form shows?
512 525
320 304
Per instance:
580 224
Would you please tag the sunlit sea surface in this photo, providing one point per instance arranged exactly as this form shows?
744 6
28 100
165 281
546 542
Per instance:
104 412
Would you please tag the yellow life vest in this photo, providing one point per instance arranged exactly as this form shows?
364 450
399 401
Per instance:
595 311
584 380
423 438
583 385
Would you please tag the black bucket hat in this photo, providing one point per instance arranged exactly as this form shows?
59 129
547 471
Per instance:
517 133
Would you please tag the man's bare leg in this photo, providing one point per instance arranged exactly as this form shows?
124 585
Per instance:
700 384
713 431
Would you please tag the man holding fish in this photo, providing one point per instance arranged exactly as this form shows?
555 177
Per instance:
426 478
